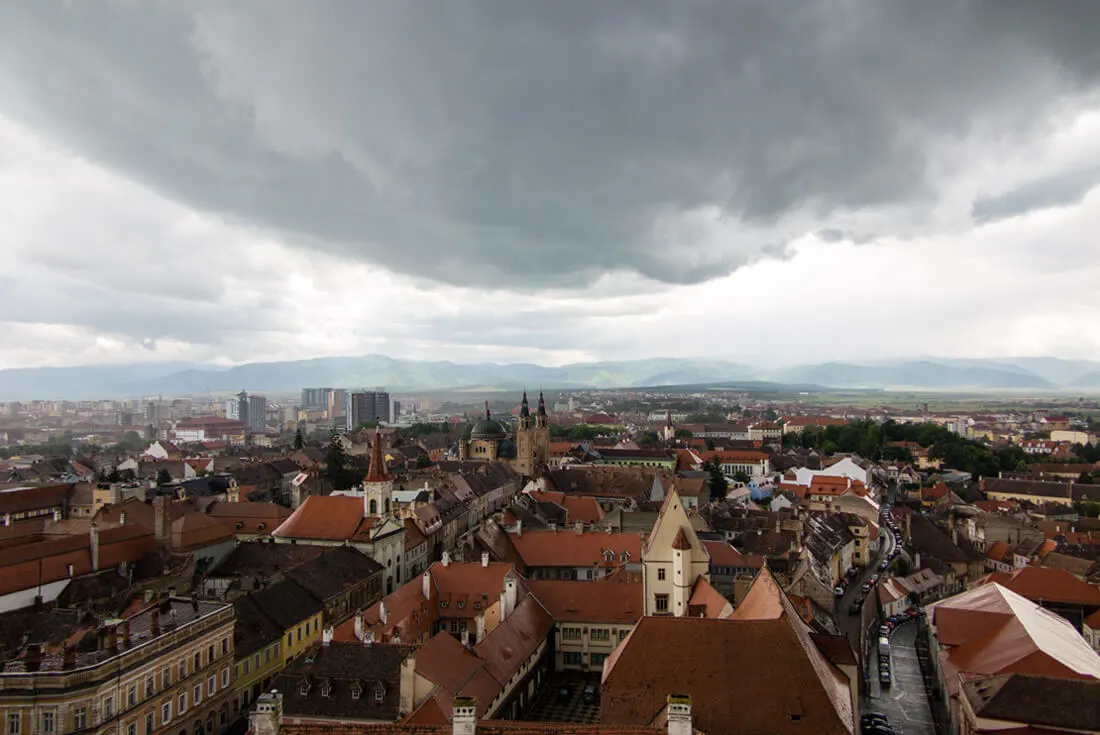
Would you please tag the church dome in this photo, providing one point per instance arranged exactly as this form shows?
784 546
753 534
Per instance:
488 428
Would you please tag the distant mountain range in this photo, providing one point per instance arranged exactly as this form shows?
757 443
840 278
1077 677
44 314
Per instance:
369 371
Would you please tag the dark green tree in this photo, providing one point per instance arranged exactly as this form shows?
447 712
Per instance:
299 440
683 434
131 440
742 477
164 477
336 466
647 438
719 485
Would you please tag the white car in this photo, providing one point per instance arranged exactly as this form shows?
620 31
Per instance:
839 592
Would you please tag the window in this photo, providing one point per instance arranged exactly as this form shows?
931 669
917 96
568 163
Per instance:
356 691
47 722
661 603
299 634
661 574
225 677
600 634
211 686
571 658
210 653
225 646
183 670
131 696
181 704
150 684
131 729
165 678
196 694
379 694
166 713
15 723
80 718
246 667
267 655
623 633
198 661
108 707
597 659
256 660
150 724
571 634
276 649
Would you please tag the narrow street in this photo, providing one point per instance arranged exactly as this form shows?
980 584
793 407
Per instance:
905 702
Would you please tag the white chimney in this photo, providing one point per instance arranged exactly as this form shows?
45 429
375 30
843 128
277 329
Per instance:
578 527
326 635
426 584
465 639
480 621
360 628
508 597
266 717
679 715
464 716
383 614
519 526
57 514
122 518
484 558
446 558
93 536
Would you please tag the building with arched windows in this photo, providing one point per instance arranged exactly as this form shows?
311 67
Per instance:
489 439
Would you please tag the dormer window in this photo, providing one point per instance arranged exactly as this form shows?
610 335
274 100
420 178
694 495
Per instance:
326 688
240 525
624 557
356 691
261 526
379 694
477 605
461 604
443 604
304 688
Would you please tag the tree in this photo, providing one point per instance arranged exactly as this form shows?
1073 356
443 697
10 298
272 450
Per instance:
164 477
719 485
131 440
683 434
648 438
336 469
1085 478
742 477
299 440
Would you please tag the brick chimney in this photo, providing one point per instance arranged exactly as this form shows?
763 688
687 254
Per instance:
464 716
68 658
112 640
446 558
679 715
125 633
32 659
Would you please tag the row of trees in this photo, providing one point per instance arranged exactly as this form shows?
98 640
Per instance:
873 441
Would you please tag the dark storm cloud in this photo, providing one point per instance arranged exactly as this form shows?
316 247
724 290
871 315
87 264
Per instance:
1064 189
539 143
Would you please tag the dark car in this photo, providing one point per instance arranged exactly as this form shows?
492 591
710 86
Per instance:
884 677
869 717
883 566
876 728
564 694
866 587
591 694
855 607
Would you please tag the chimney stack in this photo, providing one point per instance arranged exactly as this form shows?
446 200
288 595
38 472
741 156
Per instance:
162 525
68 658
32 659
93 536
112 640
464 716
268 714
484 559
426 584
519 526
679 715
122 518
154 622
446 558
126 633
326 635
57 514
383 614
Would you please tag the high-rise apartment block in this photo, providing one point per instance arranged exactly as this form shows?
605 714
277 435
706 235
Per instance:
252 412
368 406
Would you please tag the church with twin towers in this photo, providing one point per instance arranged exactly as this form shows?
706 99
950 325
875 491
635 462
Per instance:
489 439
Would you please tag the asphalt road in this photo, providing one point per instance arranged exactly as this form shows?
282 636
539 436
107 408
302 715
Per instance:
905 701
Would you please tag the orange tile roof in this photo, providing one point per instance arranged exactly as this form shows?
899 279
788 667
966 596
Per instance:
571 549
723 554
249 518
602 601
707 600
583 508
1045 583
328 518
24 566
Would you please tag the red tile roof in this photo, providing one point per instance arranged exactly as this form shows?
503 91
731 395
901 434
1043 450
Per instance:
603 601
583 508
328 518
249 518
571 549
1045 584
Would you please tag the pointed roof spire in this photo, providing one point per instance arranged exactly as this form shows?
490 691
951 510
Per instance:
377 471
487 414
668 417
524 410
542 404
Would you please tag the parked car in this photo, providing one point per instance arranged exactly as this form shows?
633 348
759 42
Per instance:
855 607
869 718
866 587
884 677
838 591
883 565
876 728
884 630
853 572
874 579
591 694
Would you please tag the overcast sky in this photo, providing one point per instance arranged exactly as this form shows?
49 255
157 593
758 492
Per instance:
549 181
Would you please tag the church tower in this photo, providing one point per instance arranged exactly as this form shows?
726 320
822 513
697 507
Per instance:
532 441
378 484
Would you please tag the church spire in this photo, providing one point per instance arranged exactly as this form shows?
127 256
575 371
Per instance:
377 471
487 414
524 410
542 404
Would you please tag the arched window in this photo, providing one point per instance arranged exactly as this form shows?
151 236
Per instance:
387 505
374 507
